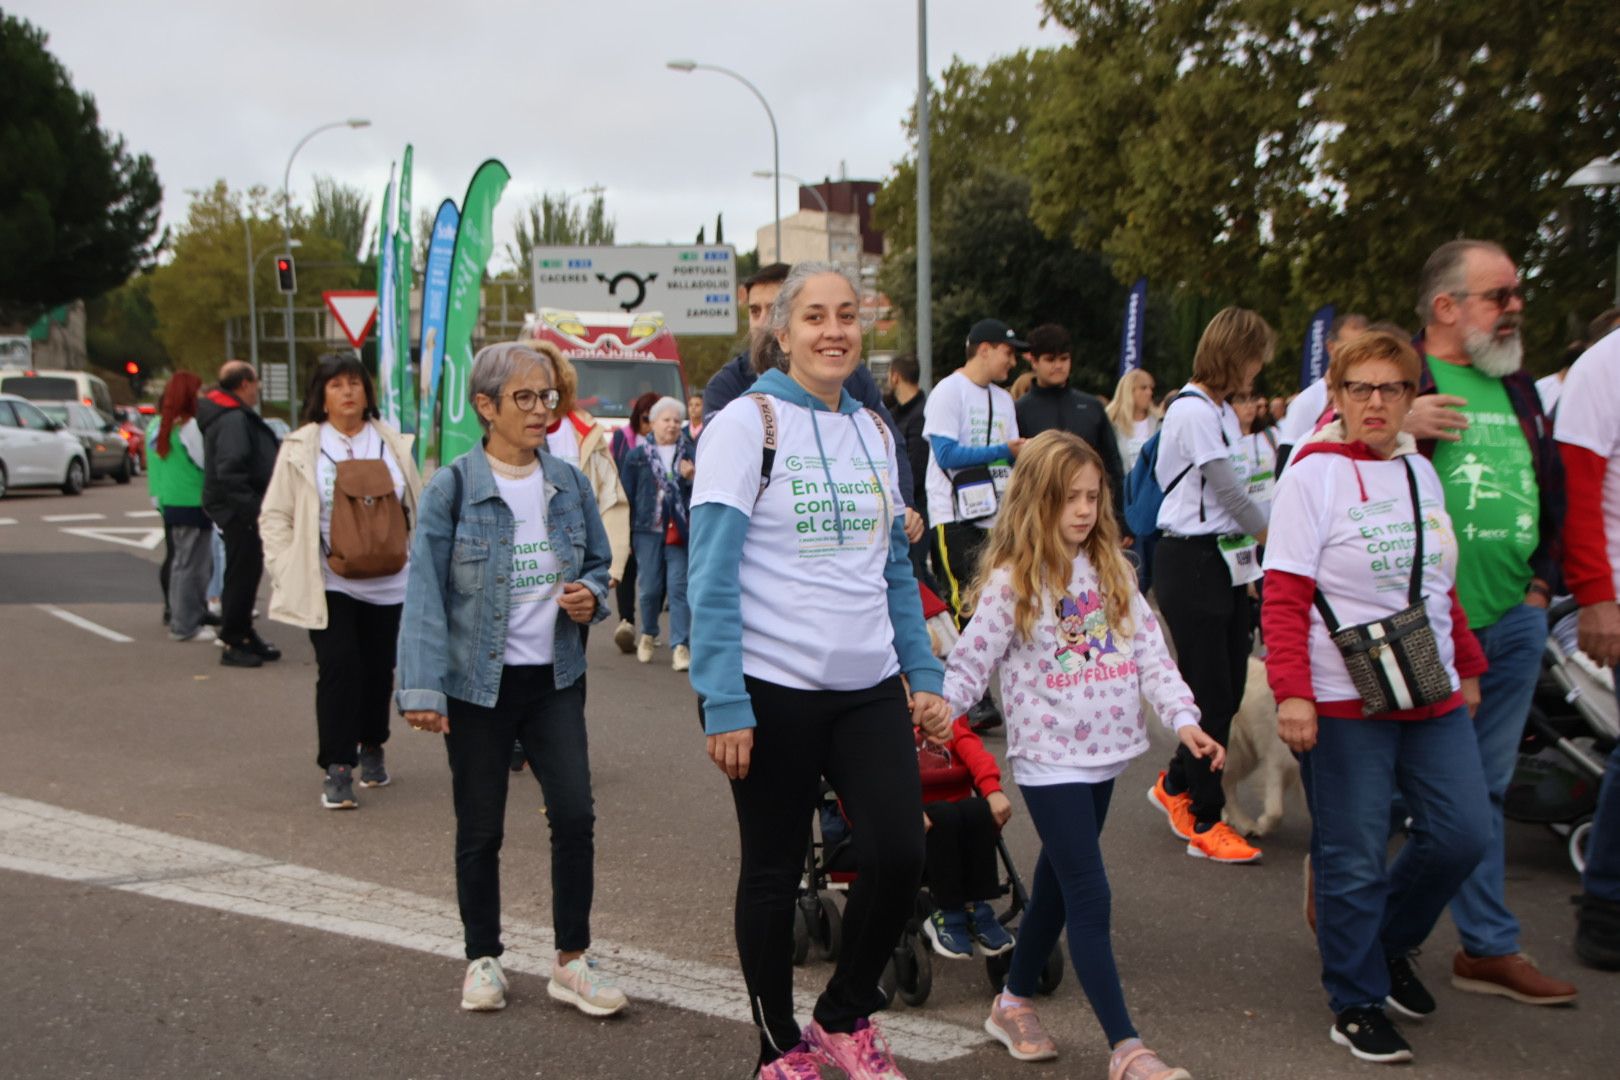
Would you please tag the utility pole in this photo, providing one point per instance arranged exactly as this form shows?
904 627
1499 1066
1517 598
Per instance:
925 253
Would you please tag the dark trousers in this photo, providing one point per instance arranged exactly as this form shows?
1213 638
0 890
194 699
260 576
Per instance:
1070 891
626 591
244 566
961 853
550 724
1211 622
861 741
354 681
956 559
163 571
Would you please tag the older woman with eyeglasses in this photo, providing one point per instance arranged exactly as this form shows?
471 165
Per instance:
508 563
1376 676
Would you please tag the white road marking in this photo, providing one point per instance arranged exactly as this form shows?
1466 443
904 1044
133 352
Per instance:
74 517
8 521
136 536
84 624
143 513
37 838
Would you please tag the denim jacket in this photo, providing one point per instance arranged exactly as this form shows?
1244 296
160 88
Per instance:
641 485
452 640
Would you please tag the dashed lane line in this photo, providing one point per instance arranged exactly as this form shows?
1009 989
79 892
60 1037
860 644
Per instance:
84 624
143 513
55 518
38 838
8 521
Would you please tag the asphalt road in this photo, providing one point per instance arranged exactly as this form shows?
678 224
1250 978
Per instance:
173 898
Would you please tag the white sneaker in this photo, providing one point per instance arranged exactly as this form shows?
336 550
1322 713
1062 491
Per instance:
201 635
644 648
683 658
581 986
484 988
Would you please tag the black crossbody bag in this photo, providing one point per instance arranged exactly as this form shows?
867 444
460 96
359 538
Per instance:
1394 662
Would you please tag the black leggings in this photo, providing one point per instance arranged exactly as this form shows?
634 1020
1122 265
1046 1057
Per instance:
354 680
861 741
1211 622
962 853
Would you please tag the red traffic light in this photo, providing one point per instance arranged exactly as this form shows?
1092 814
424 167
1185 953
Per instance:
131 367
282 265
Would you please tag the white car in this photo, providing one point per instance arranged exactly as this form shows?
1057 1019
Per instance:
36 451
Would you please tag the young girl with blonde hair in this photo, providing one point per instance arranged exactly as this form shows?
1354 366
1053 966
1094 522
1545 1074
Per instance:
1056 610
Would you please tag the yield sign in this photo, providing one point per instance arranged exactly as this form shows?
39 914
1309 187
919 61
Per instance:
355 313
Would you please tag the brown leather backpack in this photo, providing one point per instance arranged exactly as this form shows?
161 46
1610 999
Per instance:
368 537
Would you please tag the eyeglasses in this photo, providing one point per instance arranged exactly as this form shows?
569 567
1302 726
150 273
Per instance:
1389 391
526 400
1499 297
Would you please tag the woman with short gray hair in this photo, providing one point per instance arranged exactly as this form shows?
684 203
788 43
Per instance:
509 562
657 479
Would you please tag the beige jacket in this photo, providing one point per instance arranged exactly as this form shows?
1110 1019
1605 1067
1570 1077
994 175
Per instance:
596 462
290 523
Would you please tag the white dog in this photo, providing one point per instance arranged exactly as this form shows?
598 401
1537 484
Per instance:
1254 749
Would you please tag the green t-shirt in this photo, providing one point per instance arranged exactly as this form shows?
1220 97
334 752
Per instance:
1490 483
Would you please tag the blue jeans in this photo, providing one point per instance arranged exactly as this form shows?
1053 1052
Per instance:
216 581
661 568
1367 907
1602 878
1070 889
550 723
1513 645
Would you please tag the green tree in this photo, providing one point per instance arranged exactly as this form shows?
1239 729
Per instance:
1283 156
340 213
204 283
122 325
78 212
553 219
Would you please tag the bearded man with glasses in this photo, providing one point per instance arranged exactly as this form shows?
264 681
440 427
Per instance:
1479 419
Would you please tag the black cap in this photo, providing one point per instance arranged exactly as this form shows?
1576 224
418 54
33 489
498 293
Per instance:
996 332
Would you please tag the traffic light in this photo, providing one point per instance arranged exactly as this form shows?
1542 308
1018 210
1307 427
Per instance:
286 274
137 378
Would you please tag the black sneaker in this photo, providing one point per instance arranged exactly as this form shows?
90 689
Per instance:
208 619
261 647
518 758
240 656
1407 994
1370 1035
1597 932
373 771
337 790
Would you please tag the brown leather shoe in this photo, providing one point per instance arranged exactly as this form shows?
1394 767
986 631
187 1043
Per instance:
1512 976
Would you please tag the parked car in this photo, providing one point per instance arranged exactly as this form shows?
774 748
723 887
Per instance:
42 385
103 442
36 451
132 422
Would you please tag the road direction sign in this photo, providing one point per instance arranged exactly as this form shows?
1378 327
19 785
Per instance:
355 313
274 376
695 287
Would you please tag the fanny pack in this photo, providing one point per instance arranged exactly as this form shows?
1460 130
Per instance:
1394 662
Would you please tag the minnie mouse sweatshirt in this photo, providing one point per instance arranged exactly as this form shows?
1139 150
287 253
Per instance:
1072 692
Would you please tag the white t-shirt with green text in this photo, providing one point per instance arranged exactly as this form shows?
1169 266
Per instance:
815 612
535 580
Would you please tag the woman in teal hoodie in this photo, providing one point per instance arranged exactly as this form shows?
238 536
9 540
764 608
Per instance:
805 617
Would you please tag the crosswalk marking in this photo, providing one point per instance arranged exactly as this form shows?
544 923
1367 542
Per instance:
38 838
84 624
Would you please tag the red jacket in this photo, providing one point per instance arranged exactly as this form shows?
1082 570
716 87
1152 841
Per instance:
1285 620
959 768
1586 539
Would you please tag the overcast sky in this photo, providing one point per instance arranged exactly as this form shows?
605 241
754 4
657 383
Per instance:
566 94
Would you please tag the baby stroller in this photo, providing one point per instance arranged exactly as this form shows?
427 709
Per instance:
1572 727
818 922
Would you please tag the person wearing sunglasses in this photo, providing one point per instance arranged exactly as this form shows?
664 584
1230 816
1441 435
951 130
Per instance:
1504 489
508 564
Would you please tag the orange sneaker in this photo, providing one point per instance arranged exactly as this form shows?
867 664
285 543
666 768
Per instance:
1178 808
1220 844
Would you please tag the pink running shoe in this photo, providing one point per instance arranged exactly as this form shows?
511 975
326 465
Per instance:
863 1054
799 1063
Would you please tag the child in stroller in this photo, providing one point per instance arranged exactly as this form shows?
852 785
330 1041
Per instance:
964 809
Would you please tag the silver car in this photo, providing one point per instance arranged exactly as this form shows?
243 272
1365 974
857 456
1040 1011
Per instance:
36 451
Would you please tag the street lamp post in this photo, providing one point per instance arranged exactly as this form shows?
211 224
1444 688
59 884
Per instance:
286 233
776 144
925 245
766 174
1600 172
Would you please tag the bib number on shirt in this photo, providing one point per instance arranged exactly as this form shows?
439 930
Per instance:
976 500
1242 556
